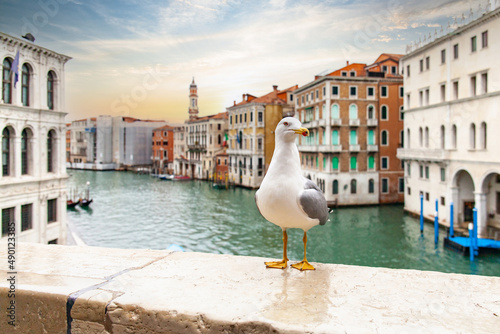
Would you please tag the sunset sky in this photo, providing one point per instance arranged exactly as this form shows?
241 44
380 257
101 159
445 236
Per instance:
137 57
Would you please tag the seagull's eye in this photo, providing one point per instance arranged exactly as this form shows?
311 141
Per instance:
285 123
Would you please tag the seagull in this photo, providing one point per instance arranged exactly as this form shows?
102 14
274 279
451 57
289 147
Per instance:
285 197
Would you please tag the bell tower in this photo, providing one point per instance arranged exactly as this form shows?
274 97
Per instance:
193 101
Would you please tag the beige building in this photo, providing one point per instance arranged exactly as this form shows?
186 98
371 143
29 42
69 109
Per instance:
32 110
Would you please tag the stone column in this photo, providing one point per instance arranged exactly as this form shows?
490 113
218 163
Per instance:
480 203
453 197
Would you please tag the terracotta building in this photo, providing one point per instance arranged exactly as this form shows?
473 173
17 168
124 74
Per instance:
163 150
353 115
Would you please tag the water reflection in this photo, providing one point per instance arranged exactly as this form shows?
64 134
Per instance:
137 211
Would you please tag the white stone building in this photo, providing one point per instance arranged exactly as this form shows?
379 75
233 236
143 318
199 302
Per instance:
452 106
33 177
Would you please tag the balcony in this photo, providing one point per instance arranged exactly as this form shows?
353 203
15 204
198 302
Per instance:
197 148
308 148
372 148
354 122
354 148
424 154
371 122
322 122
336 148
336 122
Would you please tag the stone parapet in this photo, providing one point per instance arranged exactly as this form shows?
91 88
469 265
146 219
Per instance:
78 289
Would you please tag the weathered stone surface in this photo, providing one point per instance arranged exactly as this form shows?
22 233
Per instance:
141 291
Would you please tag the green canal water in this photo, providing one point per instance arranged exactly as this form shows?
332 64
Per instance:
138 211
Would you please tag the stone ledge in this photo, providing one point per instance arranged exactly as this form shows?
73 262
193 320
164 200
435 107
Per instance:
146 291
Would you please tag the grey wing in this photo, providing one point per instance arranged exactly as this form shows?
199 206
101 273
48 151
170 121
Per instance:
313 202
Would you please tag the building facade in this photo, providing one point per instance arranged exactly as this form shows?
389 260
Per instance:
353 115
83 141
251 134
452 101
32 110
163 150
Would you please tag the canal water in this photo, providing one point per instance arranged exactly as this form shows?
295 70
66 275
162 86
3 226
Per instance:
138 211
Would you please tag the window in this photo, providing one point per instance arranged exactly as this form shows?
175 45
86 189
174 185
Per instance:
401 183
370 92
335 137
427 172
394 70
454 136
473 90
335 111
245 117
6 152
472 136
50 151
484 39
335 163
317 93
455 89
473 44
371 186
384 68
352 73
371 137
427 97
408 71
401 91
421 65
484 83
443 92
7 81
8 220
335 90
383 91
312 96
51 79
426 138
401 113
371 162
353 186
408 100
26 217
25 85
241 118
354 163
353 111
259 117
353 91
442 137
52 210
455 51
421 168
427 63
343 73
384 115
443 56
231 119
24 152
384 163
251 116
443 175
409 191
482 136
385 185
408 167
421 98
443 202
353 138
384 138
335 187
427 197
371 112
324 92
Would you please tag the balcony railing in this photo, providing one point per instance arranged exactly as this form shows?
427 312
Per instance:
372 148
354 148
354 122
423 154
336 122
371 122
197 148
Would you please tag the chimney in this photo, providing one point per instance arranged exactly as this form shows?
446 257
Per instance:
234 102
243 96
348 63
275 87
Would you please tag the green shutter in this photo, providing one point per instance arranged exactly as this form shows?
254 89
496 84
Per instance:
324 163
353 163
371 162
335 137
353 138
335 163
371 137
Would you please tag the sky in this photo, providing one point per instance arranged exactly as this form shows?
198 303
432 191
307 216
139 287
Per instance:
138 57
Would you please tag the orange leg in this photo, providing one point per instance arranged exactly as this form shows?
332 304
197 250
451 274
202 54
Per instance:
304 265
280 264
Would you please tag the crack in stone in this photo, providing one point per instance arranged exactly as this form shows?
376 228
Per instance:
108 279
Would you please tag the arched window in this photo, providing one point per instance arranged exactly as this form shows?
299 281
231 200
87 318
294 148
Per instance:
371 112
472 136
219 139
353 138
371 186
323 111
51 151
7 151
335 163
335 111
240 140
402 138
371 137
371 162
454 136
426 136
401 113
25 151
335 137
335 187
442 136
354 163
7 81
483 136
317 113
383 113
353 111
384 138
420 137
408 138
324 137
51 86
25 85
353 186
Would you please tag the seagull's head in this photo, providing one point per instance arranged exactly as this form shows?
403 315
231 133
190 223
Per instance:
288 128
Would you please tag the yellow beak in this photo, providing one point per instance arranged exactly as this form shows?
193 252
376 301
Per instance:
302 131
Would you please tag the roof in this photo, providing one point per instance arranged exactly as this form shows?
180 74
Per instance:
165 127
359 68
275 96
221 115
